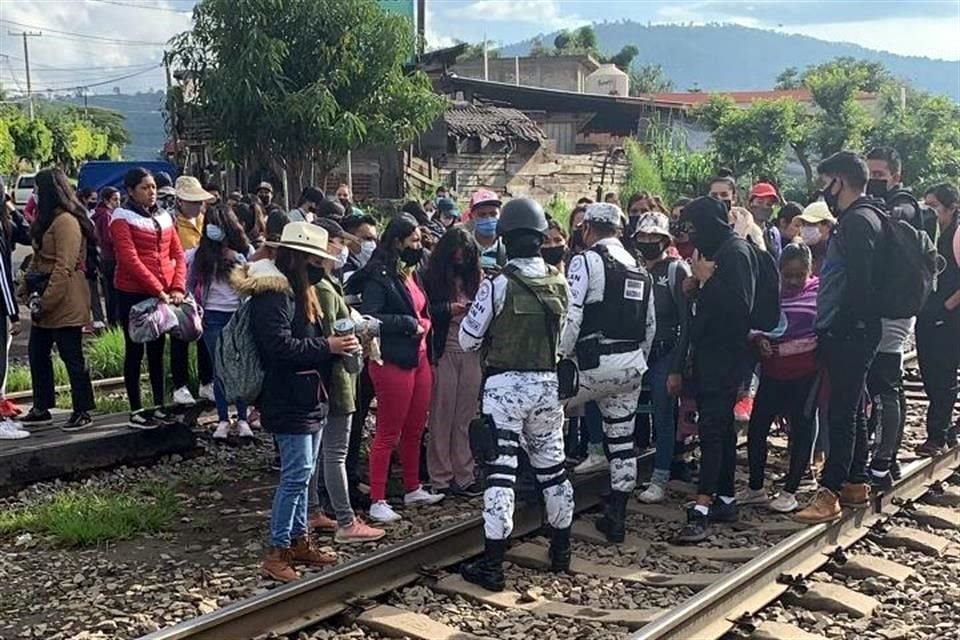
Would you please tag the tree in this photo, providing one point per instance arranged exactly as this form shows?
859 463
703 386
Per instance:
586 38
789 79
649 79
8 151
475 51
32 139
290 80
624 58
564 40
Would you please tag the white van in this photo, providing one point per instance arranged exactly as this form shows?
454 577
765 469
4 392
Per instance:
22 189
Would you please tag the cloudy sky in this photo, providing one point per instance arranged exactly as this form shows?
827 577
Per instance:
102 44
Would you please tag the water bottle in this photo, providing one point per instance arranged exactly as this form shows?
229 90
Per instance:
352 362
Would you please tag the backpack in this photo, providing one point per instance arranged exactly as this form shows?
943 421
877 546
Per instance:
905 269
765 311
925 215
236 359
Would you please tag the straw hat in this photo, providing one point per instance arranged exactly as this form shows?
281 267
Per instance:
188 189
304 237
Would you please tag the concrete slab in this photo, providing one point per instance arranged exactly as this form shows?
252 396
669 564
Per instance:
928 543
769 630
398 623
584 530
936 517
833 598
861 567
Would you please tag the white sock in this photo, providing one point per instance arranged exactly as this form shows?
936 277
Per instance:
701 508
728 499
879 474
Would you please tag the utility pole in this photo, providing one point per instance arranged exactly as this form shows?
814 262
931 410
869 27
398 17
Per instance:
26 62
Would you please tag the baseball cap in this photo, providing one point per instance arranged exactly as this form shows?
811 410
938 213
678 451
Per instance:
605 212
167 191
484 196
313 194
764 190
654 223
817 212
265 186
448 206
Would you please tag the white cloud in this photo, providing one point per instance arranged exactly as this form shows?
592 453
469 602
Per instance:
545 13
433 36
919 36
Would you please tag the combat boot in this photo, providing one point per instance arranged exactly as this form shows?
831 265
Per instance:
613 524
560 550
487 572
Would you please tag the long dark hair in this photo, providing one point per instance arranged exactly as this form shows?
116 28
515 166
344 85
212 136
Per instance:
293 264
440 278
56 196
215 260
253 219
399 228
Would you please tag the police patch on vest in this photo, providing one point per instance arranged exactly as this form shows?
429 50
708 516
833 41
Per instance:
633 289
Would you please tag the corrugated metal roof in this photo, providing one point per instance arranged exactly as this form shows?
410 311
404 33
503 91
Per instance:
465 120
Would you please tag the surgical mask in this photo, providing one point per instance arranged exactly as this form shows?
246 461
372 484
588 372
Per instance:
367 247
650 250
486 227
215 233
810 235
341 260
877 187
831 199
410 256
553 255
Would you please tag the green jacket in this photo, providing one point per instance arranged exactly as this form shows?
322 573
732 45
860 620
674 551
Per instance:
343 385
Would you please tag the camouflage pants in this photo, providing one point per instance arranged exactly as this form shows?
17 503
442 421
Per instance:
525 409
616 390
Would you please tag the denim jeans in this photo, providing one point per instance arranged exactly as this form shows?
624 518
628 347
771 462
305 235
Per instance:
298 457
664 419
213 324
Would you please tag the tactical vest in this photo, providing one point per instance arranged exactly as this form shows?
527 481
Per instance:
622 313
525 336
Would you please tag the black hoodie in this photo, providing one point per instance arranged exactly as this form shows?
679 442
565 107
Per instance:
722 319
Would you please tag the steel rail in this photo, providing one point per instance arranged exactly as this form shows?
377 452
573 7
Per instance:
717 609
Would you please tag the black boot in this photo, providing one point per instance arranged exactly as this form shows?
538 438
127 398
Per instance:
560 550
613 521
488 570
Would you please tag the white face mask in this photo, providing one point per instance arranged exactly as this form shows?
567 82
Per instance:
341 260
367 247
810 235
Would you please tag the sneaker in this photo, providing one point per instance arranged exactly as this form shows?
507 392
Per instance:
78 421
594 462
183 396
278 565
743 409
696 529
470 491
320 521
163 416
752 496
206 392
223 430
9 409
99 325
143 421
881 480
10 430
931 449
653 494
721 511
380 511
253 417
785 502
421 496
35 417
244 430
825 507
359 531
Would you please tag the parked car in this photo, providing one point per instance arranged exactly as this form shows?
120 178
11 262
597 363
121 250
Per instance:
23 189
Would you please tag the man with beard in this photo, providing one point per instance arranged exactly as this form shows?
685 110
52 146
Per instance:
723 286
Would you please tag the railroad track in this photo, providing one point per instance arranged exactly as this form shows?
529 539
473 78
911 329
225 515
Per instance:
643 589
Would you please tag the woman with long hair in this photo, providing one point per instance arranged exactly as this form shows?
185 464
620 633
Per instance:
452 278
223 247
146 243
60 298
254 221
286 319
109 202
392 293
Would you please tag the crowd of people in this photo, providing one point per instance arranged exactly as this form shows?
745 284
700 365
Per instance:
512 349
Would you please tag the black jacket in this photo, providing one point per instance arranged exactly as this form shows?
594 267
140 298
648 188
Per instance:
386 298
293 352
19 234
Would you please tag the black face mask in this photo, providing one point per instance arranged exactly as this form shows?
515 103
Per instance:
728 204
650 250
877 188
264 199
315 274
553 255
831 199
410 256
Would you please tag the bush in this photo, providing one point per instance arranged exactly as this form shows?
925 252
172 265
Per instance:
643 174
105 354
559 209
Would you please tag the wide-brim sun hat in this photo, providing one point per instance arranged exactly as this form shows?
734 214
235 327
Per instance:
304 237
654 223
189 189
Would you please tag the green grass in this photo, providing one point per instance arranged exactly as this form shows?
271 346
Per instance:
559 209
203 477
86 517
643 174
105 355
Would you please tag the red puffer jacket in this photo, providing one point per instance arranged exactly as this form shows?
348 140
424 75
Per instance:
149 256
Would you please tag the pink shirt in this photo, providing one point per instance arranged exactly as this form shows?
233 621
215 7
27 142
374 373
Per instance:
420 307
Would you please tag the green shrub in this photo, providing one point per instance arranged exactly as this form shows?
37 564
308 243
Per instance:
643 174
559 209
105 354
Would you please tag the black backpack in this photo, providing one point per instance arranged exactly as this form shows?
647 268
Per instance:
905 270
765 312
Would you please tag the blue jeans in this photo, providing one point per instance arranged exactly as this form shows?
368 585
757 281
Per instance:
298 457
213 324
664 418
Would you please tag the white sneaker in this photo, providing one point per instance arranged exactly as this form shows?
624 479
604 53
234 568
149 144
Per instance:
206 392
594 462
785 502
183 396
383 512
752 496
243 429
652 494
223 431
421 496
10 430
99 325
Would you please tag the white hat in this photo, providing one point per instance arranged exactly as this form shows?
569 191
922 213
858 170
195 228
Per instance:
654 223
189 190
605 212
817 212
304 237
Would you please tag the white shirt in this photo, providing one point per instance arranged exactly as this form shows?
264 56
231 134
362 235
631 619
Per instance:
587 281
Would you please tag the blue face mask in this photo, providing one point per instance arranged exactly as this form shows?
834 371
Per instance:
215 233
486 227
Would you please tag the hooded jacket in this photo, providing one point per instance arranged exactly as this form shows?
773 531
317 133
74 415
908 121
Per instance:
292 350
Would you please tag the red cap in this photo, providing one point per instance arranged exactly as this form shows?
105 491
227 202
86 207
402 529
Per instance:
763 190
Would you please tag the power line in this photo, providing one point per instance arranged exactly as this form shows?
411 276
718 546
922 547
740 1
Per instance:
108 81
144 6
70 34
46 67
